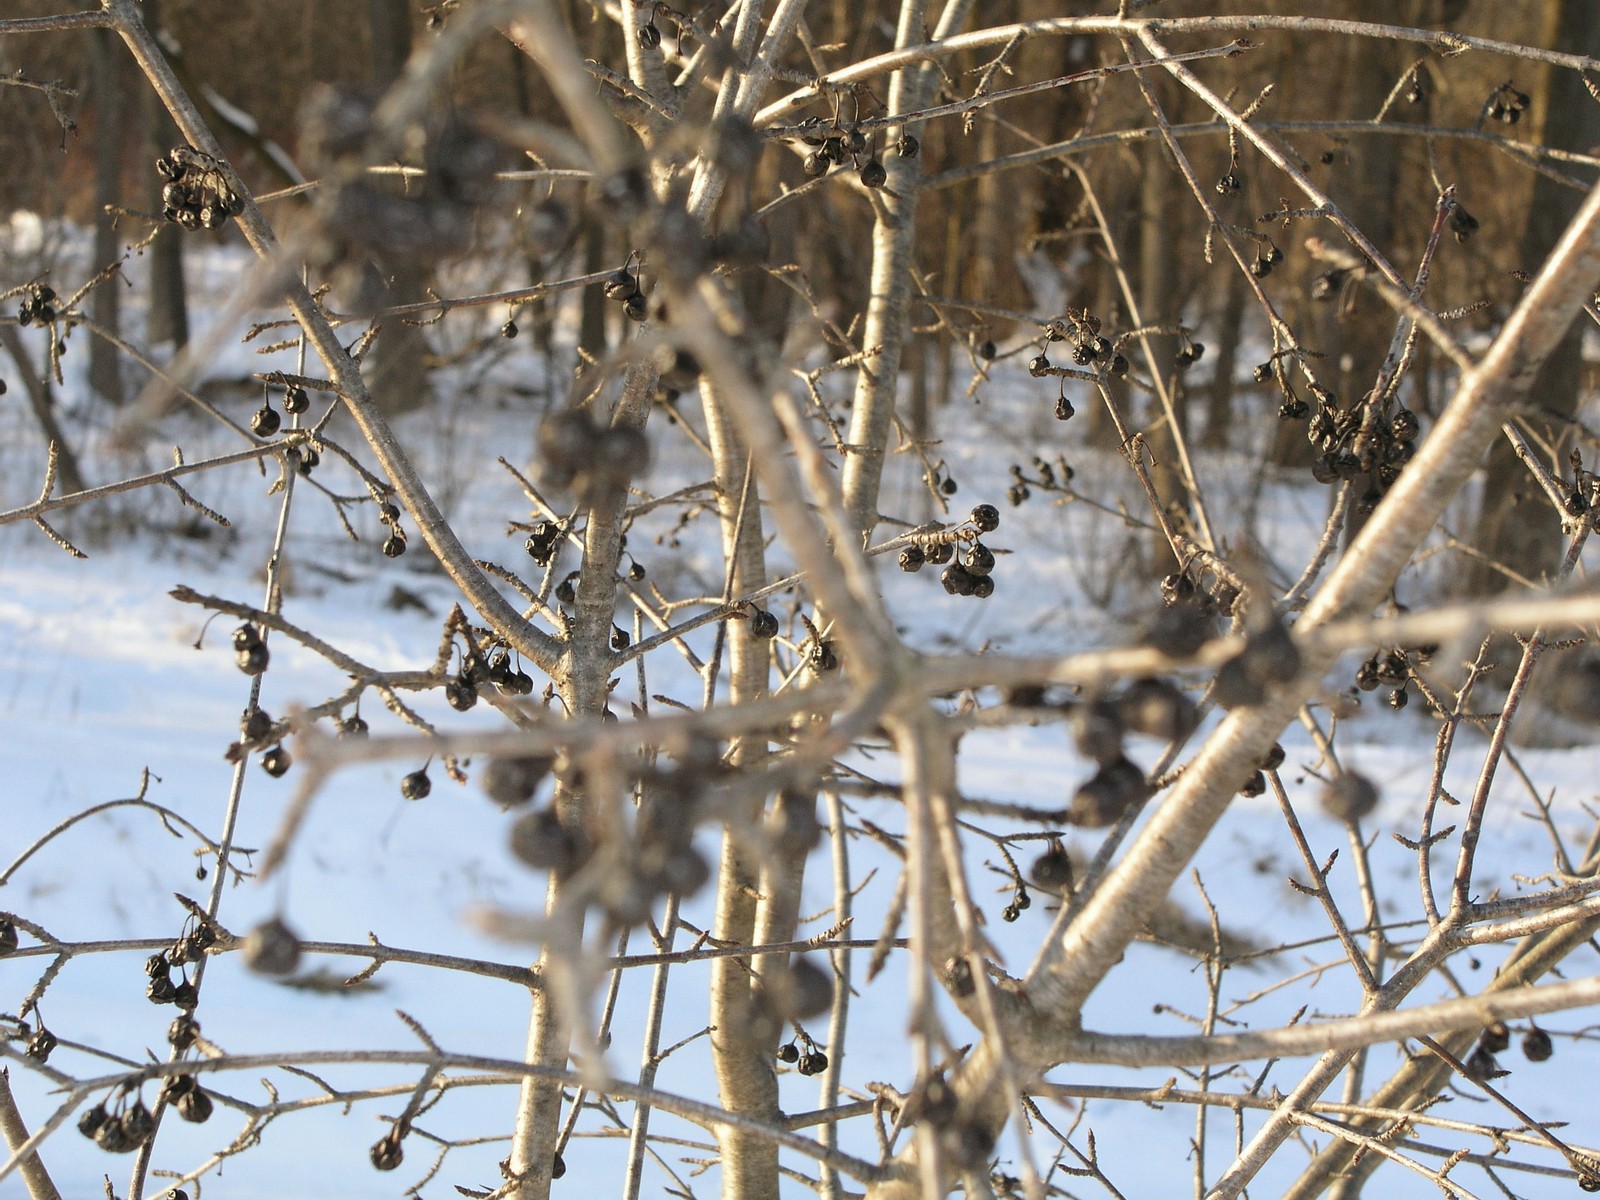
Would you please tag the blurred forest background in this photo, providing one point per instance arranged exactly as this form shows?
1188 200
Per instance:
1379 124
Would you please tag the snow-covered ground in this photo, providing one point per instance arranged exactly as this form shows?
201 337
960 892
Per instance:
101 678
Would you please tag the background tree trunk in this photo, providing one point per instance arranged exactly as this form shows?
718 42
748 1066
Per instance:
110 69
168 317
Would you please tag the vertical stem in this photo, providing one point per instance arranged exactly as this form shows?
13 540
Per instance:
32 1169
893 258
842 905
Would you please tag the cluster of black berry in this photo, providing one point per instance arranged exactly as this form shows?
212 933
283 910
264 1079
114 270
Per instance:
596 461
623 287
257 729
395 544
191 947
1256 785
836 145
38 306
1482 1066
805 1057
186 1095
1506 104
1020 900
1269 658
1392 667
1081 330
1266 260
198 193
1211 592
1048 477
1337 437
1150 706
249 650
508 678
122 1128
265 422
543 541
973 573
1329 285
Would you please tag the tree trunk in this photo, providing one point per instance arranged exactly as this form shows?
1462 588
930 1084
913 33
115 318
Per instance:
109 70
1526 538
168 318
396 369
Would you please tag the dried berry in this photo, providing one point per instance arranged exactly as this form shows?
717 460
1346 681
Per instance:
8 937
41 1044
1157 709
1349 797
394 545
788 1053
93 1120
276 762
763 624
272 948
1097 731
873 174
1536 1045
416 785
539 840
957 580
1052 870
986 518
809 990
265 422
1495 1037
183 1031
1481 1066
460 694
195 1105
137 1124
513 781
387 1152
252 661
978 560
1108 794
